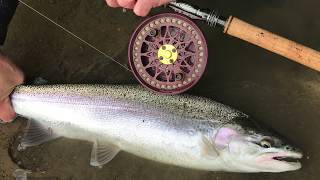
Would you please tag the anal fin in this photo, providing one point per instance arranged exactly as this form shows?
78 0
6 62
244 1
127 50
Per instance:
36 134
102 153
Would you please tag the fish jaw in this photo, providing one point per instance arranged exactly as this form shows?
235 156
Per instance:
277 161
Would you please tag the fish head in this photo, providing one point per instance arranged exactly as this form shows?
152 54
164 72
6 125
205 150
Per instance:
248 147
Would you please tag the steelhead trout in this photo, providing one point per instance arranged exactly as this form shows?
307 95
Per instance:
186 131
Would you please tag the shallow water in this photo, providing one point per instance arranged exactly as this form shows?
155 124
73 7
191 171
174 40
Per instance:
280 93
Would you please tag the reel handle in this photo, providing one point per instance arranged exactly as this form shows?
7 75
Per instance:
272 42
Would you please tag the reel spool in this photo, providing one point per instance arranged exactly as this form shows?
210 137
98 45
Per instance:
168 53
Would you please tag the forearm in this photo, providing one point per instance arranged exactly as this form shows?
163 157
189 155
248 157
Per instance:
7 9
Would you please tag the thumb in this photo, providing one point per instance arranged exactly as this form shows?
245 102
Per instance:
143 7
7 113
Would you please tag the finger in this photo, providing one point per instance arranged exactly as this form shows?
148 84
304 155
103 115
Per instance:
7 113
11 75
143 7
17 76
112 3
129 4
19 79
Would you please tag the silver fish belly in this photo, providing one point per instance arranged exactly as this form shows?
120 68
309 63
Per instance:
177 130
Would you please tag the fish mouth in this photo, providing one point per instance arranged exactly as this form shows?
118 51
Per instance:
290 160
287 158
280 161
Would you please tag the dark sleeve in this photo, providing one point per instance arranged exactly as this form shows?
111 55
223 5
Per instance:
7 9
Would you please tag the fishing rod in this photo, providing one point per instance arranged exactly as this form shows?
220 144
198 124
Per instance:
252 34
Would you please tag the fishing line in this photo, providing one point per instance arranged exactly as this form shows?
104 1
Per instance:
73 35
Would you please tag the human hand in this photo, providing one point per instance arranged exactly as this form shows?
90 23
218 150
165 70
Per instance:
140 7
10 77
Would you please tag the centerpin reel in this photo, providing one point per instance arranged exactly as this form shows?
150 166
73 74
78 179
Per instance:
168 53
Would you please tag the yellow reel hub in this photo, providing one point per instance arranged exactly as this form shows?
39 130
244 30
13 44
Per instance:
167 54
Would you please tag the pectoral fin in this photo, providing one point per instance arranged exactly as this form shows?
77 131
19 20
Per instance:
102 153
36 134
208 149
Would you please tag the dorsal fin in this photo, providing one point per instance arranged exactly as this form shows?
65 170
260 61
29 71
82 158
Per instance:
40 81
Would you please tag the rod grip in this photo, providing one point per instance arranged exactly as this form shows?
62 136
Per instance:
272 42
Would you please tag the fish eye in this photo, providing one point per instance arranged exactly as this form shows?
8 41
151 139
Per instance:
266 143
